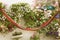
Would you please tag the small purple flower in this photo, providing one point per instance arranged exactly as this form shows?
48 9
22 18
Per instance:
57 16
56 33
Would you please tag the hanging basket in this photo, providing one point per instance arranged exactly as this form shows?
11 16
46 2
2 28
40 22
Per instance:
20 27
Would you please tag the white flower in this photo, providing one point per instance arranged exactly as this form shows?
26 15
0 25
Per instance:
58 31
56 24
37 14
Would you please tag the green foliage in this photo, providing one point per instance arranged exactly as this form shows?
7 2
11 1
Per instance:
32 18
17 10
1 5
2 18
35 37
3 21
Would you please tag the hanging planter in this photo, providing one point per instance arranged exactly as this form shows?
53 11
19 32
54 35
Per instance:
33 19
